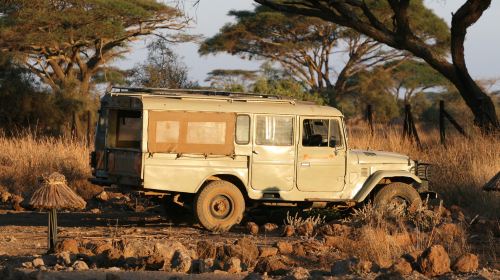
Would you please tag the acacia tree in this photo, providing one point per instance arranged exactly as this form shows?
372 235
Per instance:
162 69
305 46
231 78
400 32
67 42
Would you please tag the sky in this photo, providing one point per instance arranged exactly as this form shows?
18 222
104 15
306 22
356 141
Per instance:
482 46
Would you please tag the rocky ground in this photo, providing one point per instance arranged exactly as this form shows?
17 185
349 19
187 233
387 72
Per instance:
119 237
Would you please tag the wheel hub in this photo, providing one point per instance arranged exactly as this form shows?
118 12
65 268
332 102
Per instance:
221 207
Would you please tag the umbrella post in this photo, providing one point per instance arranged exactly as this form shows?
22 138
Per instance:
52 234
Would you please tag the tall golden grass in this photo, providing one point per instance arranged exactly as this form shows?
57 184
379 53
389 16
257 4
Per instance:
25 157
461 168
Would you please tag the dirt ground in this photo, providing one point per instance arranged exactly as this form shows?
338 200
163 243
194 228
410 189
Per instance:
23 237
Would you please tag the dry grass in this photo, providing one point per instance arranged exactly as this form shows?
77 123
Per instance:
460 169
26 157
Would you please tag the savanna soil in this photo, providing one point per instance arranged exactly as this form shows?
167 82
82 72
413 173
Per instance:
116 242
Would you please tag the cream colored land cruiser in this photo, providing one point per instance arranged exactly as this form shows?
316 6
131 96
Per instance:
221 151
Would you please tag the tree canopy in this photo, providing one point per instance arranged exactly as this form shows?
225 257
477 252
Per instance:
312 49
65 43
400 30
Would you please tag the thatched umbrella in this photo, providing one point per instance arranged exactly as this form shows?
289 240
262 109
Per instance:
52 194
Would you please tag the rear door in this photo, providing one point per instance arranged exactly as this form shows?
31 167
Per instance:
273 157
321 158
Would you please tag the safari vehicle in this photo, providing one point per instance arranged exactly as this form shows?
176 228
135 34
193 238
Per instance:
222 151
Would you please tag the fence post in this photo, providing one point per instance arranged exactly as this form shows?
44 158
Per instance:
442 128
409 128
369 117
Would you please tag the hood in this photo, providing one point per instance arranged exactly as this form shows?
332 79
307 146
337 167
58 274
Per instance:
378 157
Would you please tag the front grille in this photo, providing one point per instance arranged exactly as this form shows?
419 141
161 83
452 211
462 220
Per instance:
423 171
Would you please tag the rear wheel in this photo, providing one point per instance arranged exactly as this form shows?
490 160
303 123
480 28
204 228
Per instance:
397 194
219 206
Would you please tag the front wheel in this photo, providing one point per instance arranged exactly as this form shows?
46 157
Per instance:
219 206
396 194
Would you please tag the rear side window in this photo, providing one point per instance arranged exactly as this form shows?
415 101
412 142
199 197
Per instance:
242 129
274 131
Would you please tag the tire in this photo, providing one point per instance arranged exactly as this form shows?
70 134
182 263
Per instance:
219 206
397 193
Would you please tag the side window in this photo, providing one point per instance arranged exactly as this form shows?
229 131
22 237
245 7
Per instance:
274 131
315 133
321 133
336 139
242 129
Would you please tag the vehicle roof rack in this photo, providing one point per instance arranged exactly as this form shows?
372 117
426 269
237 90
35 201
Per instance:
207 92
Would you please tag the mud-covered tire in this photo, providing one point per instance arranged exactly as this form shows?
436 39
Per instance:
394 192
219 206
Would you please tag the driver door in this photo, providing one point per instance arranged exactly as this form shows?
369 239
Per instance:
321 157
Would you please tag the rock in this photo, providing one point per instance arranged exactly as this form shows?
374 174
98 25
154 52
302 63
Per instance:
298 250
59 267
288 231
298 273
95 211
244 249
103 196
64 258
5 196
267 251
337 242
206 249
270 227
202 265
232 265
38 262
363 267
336 230
272 265
306 229
466 263
181 262
28 265
402 266
101 248
68 245
284 247
252 228
342 267
80 266
434 261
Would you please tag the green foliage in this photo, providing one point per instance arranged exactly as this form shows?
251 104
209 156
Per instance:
231 79
275 82
70 41
26 104
162 69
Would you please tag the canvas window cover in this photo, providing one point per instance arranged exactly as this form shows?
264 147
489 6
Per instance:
210 133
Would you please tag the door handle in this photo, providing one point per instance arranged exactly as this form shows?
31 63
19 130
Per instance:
305 164
255 152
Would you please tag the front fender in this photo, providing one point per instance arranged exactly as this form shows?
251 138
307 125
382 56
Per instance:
375 178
